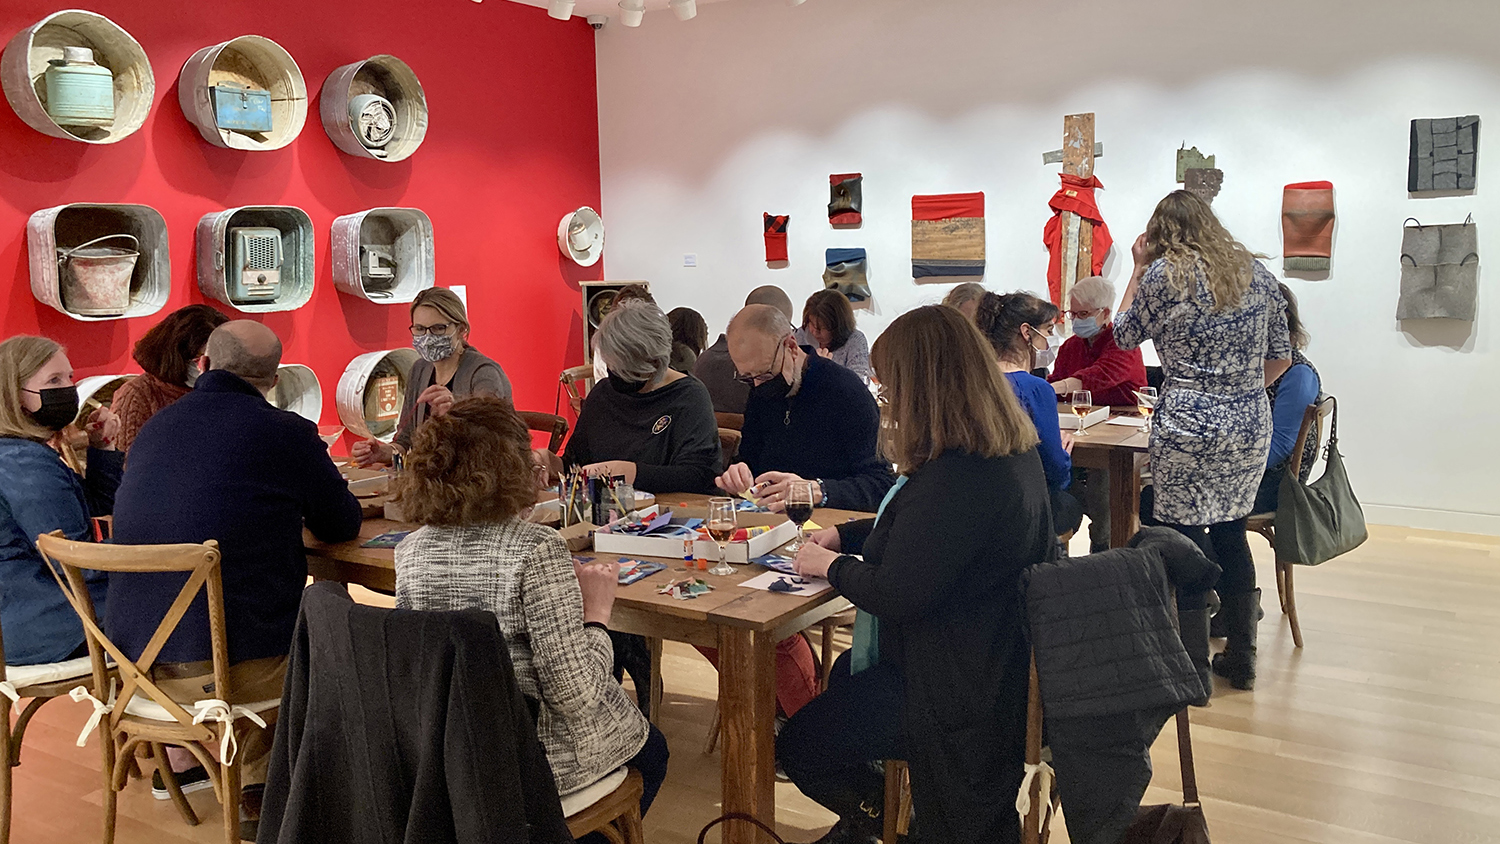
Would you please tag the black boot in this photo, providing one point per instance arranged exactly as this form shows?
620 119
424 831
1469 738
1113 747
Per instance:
1193 625
858 828
1216 627
1237 663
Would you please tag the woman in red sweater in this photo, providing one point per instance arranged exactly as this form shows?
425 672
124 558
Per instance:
1090 360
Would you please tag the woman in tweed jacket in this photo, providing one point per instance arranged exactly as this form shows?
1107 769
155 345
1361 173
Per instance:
469 481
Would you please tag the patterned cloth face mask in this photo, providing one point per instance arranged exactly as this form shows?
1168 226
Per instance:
433 348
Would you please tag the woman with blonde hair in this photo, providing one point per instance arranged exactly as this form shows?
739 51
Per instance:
1218 321
39 494
938 672
449 370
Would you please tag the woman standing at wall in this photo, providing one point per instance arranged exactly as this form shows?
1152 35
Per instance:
1218 321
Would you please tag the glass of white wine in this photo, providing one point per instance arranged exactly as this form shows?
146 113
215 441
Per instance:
1083 402
1145 402
722 522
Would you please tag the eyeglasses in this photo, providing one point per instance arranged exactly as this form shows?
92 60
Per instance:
757 380
438 330
1082 314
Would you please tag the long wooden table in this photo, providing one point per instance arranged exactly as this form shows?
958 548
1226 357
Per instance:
744 624
1122 450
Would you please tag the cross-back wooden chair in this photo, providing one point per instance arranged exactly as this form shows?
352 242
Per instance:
141 713
734 421
1313 423
577 381
729 447
554 426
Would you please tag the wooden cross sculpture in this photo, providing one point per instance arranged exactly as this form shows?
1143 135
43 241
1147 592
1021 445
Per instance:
1078 152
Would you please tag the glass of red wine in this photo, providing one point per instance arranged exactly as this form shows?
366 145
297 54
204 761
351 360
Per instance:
799 508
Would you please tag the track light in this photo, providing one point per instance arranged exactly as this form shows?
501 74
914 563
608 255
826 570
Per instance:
632 11
685 10
561 9
795 2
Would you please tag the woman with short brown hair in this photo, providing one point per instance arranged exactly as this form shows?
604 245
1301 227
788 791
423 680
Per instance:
168 354
828 326
940 680
470 481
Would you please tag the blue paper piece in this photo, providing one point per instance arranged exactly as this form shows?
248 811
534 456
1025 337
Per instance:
386 540
633 570
776 562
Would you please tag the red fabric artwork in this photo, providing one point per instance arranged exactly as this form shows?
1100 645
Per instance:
775 237
1077 196
947 206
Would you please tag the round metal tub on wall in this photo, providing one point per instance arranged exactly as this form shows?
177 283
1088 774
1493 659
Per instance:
96 391
246 93
297 389
25 65
370 392
375 109
53 233
257 258
384 254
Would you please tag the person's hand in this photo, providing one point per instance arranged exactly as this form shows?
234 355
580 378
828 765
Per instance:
827 537
598 582
1067 386
1141 251
774 487
1067 441
813 560
612 469
104 428
736 479
371 452
439 399
549 466
824 352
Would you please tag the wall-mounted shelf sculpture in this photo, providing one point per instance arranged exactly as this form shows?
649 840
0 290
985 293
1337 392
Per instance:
246 93
297 389
598 299
257 258
370 392
96 262
383 254
77 75
375 109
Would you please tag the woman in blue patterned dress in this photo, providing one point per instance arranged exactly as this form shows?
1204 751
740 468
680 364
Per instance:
1218 321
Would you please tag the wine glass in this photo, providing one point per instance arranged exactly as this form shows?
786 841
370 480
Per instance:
721 526
799 508
1083 402
1145 402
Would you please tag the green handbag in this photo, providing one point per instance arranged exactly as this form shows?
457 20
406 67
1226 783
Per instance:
1319 521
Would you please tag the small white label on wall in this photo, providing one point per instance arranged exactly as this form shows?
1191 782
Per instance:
462 292
690 260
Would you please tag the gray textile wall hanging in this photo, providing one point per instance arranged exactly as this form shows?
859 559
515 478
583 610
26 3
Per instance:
847 271
1443 154
1439 271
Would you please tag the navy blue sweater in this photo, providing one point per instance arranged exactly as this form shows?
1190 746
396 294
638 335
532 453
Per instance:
222 463
826 431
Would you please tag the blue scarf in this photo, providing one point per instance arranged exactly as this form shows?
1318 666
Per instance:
866 650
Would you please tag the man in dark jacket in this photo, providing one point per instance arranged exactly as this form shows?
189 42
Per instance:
224 464
716 369
807 419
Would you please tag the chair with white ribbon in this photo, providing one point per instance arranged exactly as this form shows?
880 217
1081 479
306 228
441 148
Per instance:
141 718
1037 799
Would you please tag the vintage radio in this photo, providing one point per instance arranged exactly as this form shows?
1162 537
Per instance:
255 259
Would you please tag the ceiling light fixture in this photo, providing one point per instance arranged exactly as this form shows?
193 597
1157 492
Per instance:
685 10
561 9
632 11
795 2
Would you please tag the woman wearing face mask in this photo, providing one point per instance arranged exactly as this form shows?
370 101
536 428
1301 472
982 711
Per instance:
38 494
450 370
1019 327
645 422
168 355
1090 359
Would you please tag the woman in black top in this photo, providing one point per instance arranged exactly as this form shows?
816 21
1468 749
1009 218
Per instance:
646 422
946 687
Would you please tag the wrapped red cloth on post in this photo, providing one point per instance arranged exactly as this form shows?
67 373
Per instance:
1077 196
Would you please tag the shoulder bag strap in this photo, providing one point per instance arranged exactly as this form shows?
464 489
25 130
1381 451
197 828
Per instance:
1185 755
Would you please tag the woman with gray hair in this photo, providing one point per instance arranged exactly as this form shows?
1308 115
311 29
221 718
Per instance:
645 422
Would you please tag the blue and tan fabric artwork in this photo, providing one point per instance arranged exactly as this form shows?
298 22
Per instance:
947 237
848 272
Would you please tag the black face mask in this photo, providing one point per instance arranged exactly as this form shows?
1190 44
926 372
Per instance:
59 407
621 385
775 389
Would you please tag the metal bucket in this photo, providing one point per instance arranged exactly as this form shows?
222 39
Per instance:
95 280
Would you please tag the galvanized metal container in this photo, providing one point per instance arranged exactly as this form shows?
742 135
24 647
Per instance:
296 284
404 233
298 390
95 280
24 65
67 226
250 61
381 76
96 391
368 385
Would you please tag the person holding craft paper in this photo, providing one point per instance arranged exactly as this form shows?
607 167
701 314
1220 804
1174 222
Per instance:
450 370
168 354
828 326
1218 321
938 672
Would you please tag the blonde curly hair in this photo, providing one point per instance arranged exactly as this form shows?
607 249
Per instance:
1184 231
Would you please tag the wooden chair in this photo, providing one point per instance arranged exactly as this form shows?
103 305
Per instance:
37 684
142 715
551 424
577 381
729 446
610 807
1265 523
1036 825
732 421
896 815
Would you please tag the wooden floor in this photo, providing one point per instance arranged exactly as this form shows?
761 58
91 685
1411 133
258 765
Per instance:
1385 728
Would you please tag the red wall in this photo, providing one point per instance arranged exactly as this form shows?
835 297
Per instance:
512 145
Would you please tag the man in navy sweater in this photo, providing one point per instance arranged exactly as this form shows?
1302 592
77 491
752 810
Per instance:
807 419
223 463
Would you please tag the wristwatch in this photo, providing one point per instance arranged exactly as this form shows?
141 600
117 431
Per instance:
822 487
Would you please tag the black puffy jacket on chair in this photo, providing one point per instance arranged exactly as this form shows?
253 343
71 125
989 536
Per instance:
402 726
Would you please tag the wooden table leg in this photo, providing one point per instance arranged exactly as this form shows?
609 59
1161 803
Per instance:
747 705
1124 497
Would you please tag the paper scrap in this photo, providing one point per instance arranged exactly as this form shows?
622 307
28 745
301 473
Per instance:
1127 421
776 562
385 540
775 581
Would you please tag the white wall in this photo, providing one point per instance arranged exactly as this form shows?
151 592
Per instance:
748 108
